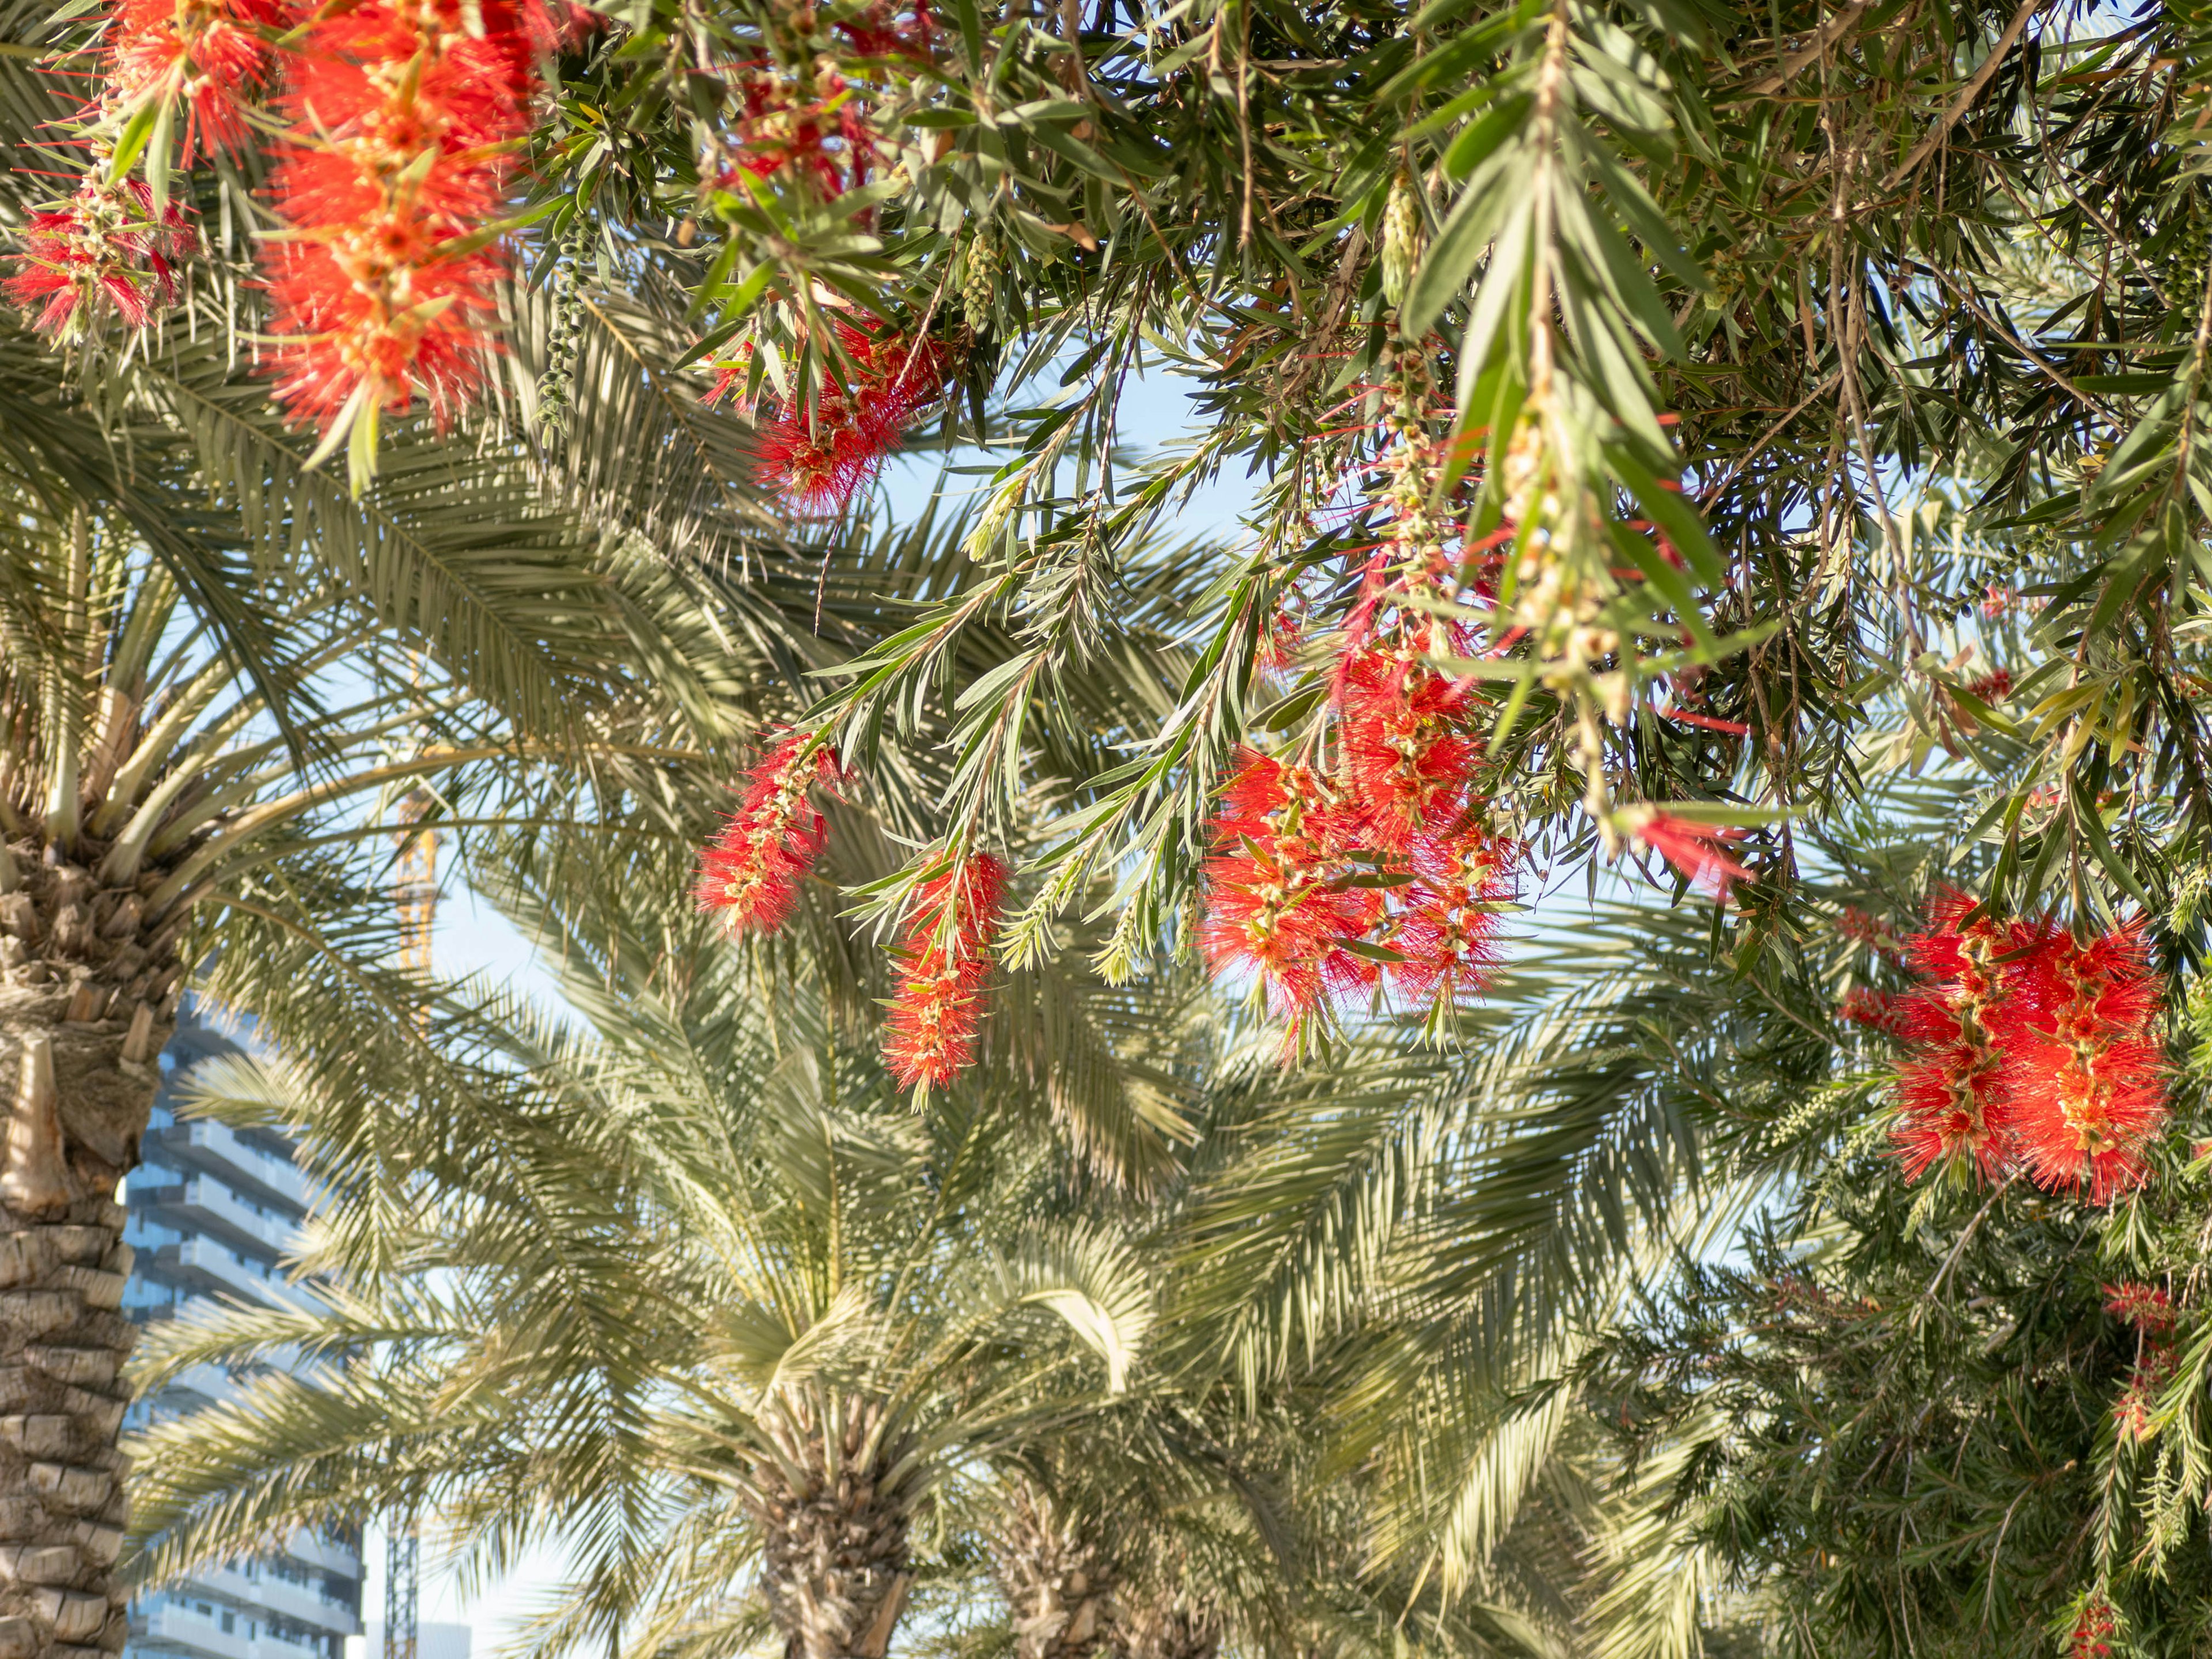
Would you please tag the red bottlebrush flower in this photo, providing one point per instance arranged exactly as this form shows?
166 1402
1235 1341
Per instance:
878 31
823 456
2091 1626
2138 1401
1954 1113
824 139
1855 924
1407 748
1446 929
1997 600
1992 687
1281 641
944 958
1280 900
751 872
1955 1101
1878 1011
208 54
2085 1071
1696 850
382 285
2029 1046
899 379
2146 1307
104 248
561 25
820 458
731 373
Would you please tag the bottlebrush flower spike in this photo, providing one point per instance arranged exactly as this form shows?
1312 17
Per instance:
1856 925
1446 929
382 285
1695 849
1955 1104
944 957
2084 1068
2091 1625
823 455
2137 1405
107 248
879 31
1878 1011
1406 739
2146 1307
751 872
821 139
1279 898
209 55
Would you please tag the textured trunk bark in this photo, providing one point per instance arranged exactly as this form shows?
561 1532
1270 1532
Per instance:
86 1004
1058 1587
833 1527
1169 1627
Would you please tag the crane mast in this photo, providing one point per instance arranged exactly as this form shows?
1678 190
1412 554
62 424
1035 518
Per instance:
418 899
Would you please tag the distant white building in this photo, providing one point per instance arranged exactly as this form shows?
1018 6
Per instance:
431 1641
212 1212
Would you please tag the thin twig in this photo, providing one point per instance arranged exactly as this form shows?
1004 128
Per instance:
1967 93
1771 434
1828 33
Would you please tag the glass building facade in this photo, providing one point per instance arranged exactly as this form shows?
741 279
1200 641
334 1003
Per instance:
213 1212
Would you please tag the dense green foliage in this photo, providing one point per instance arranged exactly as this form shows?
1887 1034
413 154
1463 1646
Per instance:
1805 400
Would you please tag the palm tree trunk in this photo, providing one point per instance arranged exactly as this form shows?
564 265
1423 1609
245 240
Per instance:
834 1503
1058 1587
1166 1627
87 1002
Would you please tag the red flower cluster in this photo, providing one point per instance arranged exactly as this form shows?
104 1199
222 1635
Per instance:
107 247
2137 1403
1878 1011
879 30
1992 687
2029 1050
1385 871
824 454
209 55
2091 1626
1324 897
2086 1067
1698 850
944 958
402 115
1856 925
2148 1308
824 139
813 125
1281 893
751 872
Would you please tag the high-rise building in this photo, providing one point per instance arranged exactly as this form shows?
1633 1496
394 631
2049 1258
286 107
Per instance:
432 1641
213 1210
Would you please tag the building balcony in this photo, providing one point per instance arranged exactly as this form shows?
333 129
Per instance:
221 1151
203 1265
178 1627
327 1554
201 1204
253 1585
